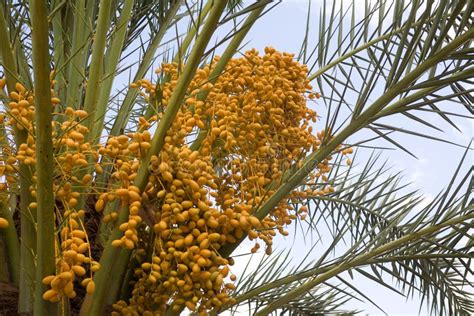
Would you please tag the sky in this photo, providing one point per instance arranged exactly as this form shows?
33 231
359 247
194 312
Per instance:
284 28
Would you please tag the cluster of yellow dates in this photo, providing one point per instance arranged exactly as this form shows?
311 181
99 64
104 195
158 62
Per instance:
253 126
204 196
71 155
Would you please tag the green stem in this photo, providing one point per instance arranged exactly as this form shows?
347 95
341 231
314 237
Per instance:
78 60
111 62
44 154
58 56
94 304
95 71
359 260
27 217
119 271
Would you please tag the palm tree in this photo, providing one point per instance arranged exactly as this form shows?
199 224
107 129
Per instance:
100 213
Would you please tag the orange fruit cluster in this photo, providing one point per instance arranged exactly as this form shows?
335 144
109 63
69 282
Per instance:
258 127
71 156
254 127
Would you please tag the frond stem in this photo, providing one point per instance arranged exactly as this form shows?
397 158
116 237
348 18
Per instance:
44 155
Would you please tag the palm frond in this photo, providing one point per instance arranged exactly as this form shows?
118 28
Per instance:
322 300
378 61
367 214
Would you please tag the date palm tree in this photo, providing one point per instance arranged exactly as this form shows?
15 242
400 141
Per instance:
66 63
